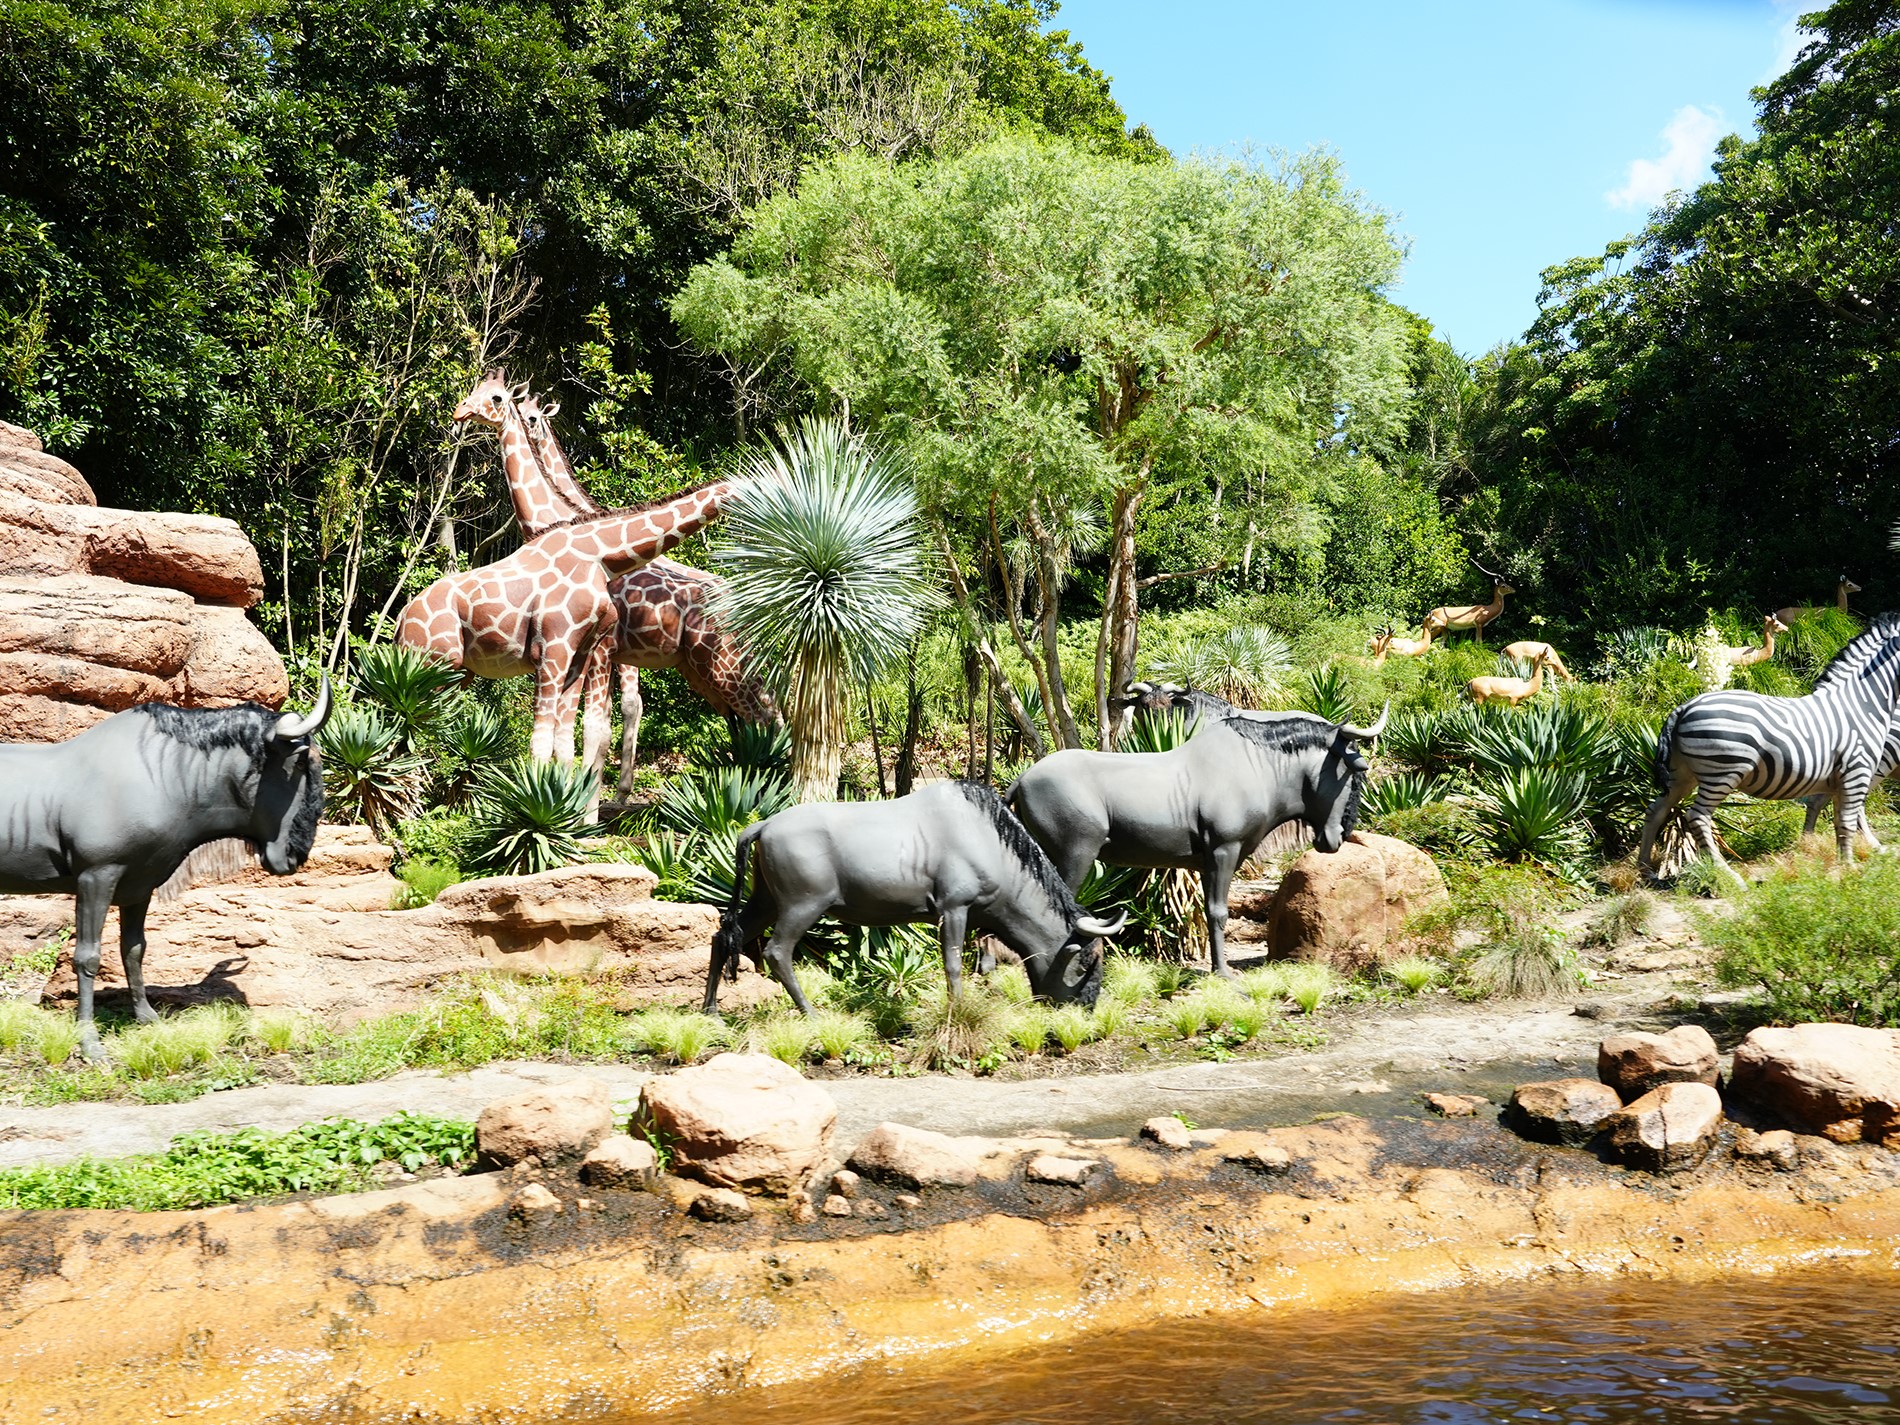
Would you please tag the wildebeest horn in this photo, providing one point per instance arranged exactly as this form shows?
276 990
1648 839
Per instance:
1089 925
290 725
1366 734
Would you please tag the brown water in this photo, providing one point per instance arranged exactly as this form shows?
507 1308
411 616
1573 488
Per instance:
1813 1346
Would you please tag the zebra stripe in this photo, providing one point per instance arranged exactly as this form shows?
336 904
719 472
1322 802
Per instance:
1783 749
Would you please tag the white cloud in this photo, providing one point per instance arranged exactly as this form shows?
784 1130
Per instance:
1790 40
1688 145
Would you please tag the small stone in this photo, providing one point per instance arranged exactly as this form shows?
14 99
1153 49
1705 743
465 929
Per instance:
1636 1062
1775 1149
1571 1111
1268 1159
1667 1129
909 1201
1455 1105
1206 1137
836 1206
1169 1132
846 1183
868 1208
585 1204
533 1202
620 1161
721 1205
1592 1009
802 1210
1067 1172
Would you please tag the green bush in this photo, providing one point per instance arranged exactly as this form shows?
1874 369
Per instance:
530 816
723 800
474 742
1445 829
367 776
423 879
440 835
417 689
1536 814
1822 943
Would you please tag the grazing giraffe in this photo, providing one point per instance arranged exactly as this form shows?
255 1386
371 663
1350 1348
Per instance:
546 608
666 621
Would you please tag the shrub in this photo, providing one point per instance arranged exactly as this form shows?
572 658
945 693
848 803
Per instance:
839 1033
19 1024
184 1041
1109 1018
1011 983
1621 920
422 880
722 800
962 1030
474 742
1071 1026
1750 829
1447 828
278 1031
1161 733
786 1036
1527 960
530 816
56 1038
1327 691
1414 973
676 1034
1127 980
1265 984
1818 940
1246 664
1247 1019
439 835
1534 813
1403 791
674 859
1170 978
1186 1016
1028 1028
760 746
417 689
1308 985
367 777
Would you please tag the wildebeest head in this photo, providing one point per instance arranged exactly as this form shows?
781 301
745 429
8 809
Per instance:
290 789
1332 793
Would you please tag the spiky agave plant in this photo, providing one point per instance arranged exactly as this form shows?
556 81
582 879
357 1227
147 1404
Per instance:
1247 664
476 740
827 580
531 815
367 776
419 690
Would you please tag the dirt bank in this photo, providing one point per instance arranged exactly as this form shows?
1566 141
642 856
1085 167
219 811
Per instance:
434 1303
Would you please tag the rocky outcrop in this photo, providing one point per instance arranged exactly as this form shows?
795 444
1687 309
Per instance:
102 609
558 1124
1668 1129
742 1121
1636 1062
1838 1080
1348 908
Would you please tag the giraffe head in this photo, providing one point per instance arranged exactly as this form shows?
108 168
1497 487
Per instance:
490 400
539 419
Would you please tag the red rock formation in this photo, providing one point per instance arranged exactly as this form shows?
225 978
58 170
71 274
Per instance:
102 609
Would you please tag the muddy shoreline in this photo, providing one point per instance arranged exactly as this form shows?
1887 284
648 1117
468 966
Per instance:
436 1303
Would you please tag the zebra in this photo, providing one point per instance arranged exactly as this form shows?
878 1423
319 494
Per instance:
1844 667
1782 749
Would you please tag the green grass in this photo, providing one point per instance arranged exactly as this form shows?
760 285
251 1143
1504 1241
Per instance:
1308 985
1028 1028
423 879
786 1036
1818 941
207 1169
1415 973
1071 1026
675 1034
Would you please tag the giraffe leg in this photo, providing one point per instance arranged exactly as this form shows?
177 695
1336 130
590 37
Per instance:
596 725
630 710
548 676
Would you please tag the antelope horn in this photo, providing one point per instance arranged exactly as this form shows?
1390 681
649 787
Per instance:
1089 925
291 726
1366 734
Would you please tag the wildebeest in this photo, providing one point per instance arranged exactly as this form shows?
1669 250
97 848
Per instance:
1203 806
950 853
110 815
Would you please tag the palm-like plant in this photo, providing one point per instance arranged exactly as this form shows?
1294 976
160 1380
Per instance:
722 799
530 816
827 582
418 689
1247 664
367 776
1328 692
476 741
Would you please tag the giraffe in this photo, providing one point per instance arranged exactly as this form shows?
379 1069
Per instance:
665 619
546 608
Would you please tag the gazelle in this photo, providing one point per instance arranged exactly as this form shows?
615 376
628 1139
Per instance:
1458 618
1770 626
1526 650
1510 690
1842 589
1406 647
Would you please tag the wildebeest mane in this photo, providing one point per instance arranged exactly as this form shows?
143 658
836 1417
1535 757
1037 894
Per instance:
1295 732
247 726
1020 844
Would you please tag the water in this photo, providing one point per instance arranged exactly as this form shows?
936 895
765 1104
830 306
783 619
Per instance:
1813 1346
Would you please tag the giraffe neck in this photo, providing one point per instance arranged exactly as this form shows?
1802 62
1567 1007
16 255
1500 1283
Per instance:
566 490
537 507
626 540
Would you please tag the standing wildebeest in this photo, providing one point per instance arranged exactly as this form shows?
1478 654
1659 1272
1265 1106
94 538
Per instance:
1204 806
110 815
950 853
1830 742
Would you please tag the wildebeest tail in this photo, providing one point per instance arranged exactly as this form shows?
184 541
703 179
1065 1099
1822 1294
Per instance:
1664 745
726 946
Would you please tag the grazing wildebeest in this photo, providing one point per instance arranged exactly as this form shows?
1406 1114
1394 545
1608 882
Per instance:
110 815
1830 743
950 853
1204 806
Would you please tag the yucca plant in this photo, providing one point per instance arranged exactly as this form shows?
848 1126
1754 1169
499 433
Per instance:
827 580
763 746
475 741
530 816
722 800
1423 741
1403 791
367 776
1247 664
1158 734
1328 692
1536 814
417 689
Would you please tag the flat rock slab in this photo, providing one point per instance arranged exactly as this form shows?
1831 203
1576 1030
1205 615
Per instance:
1636 1062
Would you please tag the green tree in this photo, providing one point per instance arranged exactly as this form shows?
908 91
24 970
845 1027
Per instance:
1048 330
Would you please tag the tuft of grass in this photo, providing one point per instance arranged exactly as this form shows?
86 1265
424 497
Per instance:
1528 961
1029 1028
56 1038
676 1034
1071 1026
1308 984
1414 973
1011 983
1171 977
19 1024
787 1037
1186 1016
962 1030
1130 981
1621 920
1220 1002
1111 1017
1265 983
1248 1018
421 881
839 1033
184 1041
278 1031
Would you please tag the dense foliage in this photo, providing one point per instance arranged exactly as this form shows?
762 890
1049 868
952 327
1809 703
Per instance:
1818 942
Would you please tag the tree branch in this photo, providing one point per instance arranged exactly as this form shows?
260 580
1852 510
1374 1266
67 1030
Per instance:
1153 579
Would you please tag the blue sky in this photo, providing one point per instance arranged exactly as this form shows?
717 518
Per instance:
1504 135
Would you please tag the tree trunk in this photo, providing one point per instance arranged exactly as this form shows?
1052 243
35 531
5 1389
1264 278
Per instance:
1013 581
1049 626
904 773
1124 611
987 651
817 727
877 752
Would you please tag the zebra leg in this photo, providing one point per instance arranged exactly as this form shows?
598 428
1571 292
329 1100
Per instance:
1814 805
1653 824
1850 808
1702 827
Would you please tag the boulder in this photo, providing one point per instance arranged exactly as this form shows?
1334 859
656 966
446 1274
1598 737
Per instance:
39 476
96 620
1569 1111
916 1158
1060 1171
620 1161
1668 1129
1348 908
1838 1080
230 662
742 1121
1636 1062
556 1124
1169 1131
14 437
204 556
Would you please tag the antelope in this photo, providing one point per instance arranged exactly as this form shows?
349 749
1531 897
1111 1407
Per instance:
1381 645
1407 647
1457 618
1527 649
1510 690
1842 589
1742 657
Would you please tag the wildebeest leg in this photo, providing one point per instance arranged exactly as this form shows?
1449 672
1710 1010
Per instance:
1217 878
786 934
132 952
953 926
94 898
